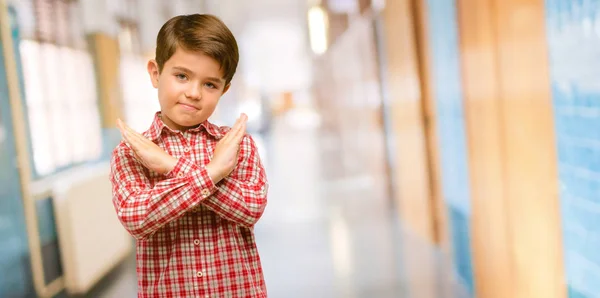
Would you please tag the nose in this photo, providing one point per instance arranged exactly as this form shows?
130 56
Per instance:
194 92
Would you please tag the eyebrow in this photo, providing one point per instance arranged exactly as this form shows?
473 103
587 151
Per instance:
216 80
183 69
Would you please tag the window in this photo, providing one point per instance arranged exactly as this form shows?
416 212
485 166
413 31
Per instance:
60 88
140 99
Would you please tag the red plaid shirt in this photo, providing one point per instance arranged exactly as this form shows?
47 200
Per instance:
194 238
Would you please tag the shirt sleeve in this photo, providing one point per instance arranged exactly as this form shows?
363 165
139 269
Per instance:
143 208
242 196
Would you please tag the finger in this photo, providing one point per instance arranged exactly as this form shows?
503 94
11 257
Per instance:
241 130
128 137
236 126
241 120
120 126
132 132
127 132
241 133
132 140
123 131
124 127
136 137
232 131
125 141
241 124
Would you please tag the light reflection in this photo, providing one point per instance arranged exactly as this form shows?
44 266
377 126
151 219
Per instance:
318 25
341 252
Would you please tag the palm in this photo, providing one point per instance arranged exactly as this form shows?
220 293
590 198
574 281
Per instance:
226 151
146 152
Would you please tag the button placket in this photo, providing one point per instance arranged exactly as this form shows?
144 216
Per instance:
200 282
183 137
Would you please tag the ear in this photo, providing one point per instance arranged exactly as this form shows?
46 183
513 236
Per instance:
225 89
153 72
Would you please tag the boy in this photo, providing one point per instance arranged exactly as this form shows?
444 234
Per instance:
189 191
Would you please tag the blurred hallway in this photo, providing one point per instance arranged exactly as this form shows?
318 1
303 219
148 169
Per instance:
414 148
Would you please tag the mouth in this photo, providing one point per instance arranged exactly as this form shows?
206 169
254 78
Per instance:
189 107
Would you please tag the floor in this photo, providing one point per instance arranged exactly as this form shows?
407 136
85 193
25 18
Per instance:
328 230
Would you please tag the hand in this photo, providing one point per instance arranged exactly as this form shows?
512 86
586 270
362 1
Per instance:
226 151
146 152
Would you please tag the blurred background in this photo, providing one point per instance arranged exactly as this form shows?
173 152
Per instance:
414 148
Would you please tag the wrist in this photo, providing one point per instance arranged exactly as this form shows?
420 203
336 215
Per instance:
215 175
170 164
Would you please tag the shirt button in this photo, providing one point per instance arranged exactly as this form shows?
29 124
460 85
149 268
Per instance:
199 274
197 242
186 149
180 175
205 192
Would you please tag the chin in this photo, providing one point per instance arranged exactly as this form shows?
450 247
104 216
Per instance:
188 122
183 120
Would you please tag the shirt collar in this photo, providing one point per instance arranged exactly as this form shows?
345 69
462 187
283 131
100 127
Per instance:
158 126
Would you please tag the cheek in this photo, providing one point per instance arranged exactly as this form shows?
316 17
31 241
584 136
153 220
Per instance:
168 88
211 99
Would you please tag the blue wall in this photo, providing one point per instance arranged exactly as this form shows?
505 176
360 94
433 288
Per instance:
573 34
14 250
443 39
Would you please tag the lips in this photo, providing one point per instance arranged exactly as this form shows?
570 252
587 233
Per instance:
189 107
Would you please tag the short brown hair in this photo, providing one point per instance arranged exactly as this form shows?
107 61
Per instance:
202 33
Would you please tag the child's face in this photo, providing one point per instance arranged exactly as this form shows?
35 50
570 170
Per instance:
189 88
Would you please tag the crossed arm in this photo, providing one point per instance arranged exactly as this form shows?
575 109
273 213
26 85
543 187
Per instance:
237 193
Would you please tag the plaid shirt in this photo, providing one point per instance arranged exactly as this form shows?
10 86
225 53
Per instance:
194 238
